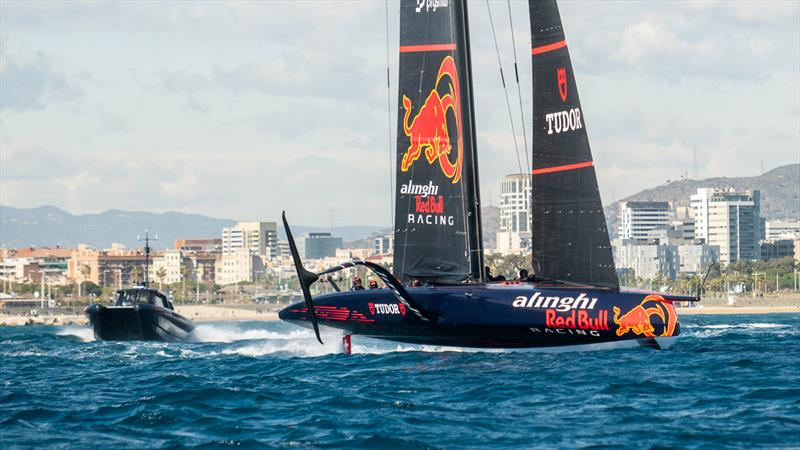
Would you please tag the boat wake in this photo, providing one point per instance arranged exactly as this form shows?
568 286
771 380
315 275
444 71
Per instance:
82 334
714 330
303 343
231 333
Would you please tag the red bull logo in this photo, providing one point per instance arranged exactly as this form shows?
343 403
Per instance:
639 319
431 205
428 130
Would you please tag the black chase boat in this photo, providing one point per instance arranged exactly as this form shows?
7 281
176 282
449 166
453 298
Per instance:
139 314
572 298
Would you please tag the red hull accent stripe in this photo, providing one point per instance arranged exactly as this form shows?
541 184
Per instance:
427 48
562 168
547 48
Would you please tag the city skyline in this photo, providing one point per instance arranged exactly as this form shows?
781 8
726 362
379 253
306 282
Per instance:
205 108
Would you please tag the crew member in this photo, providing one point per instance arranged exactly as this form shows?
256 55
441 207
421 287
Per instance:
415 283
357 286
373 284
523 275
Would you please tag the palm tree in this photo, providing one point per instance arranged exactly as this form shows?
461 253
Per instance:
136 273
161 273
185 271
86 271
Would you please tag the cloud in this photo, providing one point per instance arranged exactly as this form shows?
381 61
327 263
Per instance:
240 109
111 123
677 41
31 83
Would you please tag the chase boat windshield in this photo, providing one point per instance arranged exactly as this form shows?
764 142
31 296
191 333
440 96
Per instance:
141 296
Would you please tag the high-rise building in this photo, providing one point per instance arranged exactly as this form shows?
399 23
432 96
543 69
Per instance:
318 245
731 220
260 238
515 225
639 218
647 259
383 245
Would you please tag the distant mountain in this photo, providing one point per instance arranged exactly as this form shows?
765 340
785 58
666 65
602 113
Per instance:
780 193
51 226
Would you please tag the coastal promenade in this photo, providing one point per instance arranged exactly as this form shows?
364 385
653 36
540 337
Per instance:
197 313
744 305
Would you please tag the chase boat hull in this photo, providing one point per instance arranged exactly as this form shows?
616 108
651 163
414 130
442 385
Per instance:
142 322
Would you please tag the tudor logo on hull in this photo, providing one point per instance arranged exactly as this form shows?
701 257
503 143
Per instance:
387 308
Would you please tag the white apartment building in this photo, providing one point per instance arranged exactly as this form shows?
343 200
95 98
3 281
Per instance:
260 238
730 220
515 204
383 245
646 259
637 219
172 262
696 257
239 265
782 229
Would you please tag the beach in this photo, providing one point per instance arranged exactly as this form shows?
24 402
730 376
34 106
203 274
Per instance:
786 304
197 313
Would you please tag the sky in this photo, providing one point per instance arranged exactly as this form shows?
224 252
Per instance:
242 109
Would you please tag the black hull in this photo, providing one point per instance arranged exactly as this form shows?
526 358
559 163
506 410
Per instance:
138 323
511 316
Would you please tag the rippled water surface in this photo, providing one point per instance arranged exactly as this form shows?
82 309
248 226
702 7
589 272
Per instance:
730 381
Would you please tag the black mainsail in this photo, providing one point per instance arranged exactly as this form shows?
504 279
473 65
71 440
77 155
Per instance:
570 237
437 213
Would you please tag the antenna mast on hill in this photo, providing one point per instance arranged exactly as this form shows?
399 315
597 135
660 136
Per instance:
694 164
146 253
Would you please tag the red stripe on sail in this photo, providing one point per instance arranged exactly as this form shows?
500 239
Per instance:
426 48
562 168
548 48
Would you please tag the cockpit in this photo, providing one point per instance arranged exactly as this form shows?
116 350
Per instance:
131 297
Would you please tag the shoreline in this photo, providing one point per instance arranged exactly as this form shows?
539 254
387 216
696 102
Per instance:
723 310
195 313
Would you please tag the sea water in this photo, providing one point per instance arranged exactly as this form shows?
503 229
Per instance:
729 382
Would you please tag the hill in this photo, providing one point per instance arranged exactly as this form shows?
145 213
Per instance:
51 226
780 193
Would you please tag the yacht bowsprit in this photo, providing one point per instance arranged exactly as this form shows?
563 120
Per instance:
573 297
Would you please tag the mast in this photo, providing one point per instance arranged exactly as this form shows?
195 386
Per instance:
570 235
146 255
474 206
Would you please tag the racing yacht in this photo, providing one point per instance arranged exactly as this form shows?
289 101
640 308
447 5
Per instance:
437 292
